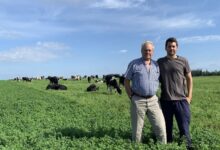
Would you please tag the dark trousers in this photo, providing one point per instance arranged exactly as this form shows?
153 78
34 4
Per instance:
179 109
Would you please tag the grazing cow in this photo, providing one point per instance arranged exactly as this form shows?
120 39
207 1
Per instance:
56 87
26 79
98 81
77 77
121 80
39 78
89 79
53 80
92 87
111 82
17 78
107 79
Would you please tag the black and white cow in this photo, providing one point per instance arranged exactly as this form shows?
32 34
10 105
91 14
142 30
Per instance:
111 82
77 77
53 80
26 79
92 87
121 80
56 87
17 79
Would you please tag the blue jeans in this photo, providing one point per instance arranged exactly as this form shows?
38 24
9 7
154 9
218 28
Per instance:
180 109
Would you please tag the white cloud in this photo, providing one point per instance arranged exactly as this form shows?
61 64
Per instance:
133 22
51 45
117 4
123 51
210 23
42 51
194 39
47 20
32 29
10 34
187 22
180 22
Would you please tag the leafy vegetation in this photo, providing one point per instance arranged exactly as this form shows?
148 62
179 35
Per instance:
200 72
34 118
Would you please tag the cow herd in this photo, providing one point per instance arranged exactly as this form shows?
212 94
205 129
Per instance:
113 82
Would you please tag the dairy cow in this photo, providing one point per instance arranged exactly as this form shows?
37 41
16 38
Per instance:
53 80
56 87
112 83
92 87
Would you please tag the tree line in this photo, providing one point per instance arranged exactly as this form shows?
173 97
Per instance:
200 72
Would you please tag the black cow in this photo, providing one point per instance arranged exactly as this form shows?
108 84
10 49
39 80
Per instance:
26 79
89 79
56 87
53 80
121 80
17 78
92 87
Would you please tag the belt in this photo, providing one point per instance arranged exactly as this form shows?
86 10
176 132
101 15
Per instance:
147 96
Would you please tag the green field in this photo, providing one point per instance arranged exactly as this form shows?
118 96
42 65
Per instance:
34 118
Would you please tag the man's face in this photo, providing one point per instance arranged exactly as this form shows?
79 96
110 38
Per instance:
171 48
147 51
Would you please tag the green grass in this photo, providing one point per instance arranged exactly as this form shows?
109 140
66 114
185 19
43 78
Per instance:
34 118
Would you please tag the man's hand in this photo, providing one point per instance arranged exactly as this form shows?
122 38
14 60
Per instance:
188 100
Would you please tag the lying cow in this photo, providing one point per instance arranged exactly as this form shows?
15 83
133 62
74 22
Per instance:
53 80
92 87
56 87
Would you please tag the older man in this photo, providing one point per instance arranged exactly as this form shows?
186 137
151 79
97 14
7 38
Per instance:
141 85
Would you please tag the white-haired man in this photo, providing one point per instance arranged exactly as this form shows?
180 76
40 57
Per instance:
141 85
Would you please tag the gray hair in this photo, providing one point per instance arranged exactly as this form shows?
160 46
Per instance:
145 43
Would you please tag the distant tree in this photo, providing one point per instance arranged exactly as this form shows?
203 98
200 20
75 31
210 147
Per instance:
199 72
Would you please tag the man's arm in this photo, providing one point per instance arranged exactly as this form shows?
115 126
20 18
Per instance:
128 88
189 81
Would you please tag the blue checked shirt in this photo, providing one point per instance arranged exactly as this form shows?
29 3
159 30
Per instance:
144 82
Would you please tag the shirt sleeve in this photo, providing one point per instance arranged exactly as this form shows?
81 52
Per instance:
187 67
129 71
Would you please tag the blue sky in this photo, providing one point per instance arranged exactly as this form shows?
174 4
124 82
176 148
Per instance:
89 37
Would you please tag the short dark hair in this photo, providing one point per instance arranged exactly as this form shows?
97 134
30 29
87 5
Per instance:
171 39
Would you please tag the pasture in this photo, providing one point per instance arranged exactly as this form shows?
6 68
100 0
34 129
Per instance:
34 118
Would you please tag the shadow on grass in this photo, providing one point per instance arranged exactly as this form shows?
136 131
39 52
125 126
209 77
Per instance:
106 93
80 133
110 93
77 133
